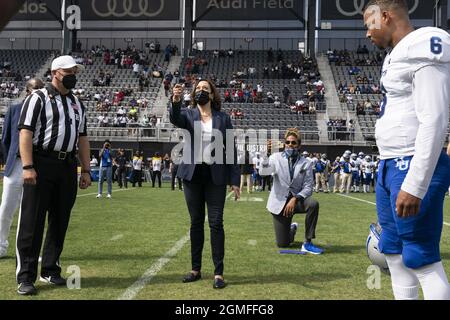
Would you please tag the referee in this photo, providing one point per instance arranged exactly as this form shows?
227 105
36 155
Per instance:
52 125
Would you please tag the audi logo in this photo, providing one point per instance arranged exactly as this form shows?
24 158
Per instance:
359 5
119 9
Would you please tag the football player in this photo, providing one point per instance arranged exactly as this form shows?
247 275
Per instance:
355 164
414 172
367 168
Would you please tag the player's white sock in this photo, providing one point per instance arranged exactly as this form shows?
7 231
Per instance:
405 284
433 281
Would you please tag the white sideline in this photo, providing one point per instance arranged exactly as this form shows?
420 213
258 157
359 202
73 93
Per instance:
369 202
148 275
94 194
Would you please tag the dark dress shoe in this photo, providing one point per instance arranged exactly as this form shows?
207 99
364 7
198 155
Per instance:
26 289
190 277
219 283
56 280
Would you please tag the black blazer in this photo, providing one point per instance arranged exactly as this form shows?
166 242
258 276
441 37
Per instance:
10 137
221 173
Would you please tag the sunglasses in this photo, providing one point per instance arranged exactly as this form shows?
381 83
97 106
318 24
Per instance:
293 143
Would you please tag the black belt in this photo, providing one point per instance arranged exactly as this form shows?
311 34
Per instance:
58 155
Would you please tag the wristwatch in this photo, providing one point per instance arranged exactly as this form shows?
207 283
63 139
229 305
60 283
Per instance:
28 167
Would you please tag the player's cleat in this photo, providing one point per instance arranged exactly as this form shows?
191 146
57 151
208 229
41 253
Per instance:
99 195
108 196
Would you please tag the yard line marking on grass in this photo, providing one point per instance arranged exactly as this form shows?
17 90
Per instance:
93 194
345 196
369 202
252 242
251 199
116 237
148 275
229 195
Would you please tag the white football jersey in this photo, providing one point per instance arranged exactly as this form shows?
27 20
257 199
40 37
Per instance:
367 167
415 110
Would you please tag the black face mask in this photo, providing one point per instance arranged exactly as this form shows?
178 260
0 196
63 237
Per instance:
202 97
69 81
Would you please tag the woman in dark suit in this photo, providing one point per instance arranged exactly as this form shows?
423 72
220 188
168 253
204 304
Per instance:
205 178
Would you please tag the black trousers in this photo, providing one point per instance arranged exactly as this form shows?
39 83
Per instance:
156 174
173 177
282 225
55 192
122 177
266 180
137 177
198 191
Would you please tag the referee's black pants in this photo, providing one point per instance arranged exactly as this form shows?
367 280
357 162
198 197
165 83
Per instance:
55 192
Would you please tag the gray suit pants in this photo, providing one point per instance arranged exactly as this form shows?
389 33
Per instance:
282 225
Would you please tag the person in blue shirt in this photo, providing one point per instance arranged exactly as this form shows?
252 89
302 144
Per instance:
105 169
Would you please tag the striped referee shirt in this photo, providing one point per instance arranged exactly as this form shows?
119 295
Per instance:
56 120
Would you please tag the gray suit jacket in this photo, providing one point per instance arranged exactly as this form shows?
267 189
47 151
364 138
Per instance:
301 185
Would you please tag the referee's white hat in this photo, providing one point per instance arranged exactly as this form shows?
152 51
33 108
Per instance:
66 62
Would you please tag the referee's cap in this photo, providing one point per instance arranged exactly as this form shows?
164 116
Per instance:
66 62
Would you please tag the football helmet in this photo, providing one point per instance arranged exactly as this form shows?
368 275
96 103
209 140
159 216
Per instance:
375 256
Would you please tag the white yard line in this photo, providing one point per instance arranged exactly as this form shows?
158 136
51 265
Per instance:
151 272
116 237
369 202
94 194
148 275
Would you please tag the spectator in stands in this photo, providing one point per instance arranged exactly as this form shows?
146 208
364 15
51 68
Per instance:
153 121
100 120
251 72
368 106
105 122
230 53
351 129
276 102
270 97
167 53
312 102
354 71
239 114
360 109
133 113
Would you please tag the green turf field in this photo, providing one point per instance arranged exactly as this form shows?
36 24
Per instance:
135 245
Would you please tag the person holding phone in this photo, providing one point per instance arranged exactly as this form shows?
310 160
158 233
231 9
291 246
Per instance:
204 179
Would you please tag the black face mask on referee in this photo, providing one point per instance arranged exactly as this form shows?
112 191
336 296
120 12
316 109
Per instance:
69 81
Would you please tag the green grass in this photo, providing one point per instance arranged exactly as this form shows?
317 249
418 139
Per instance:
146 223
